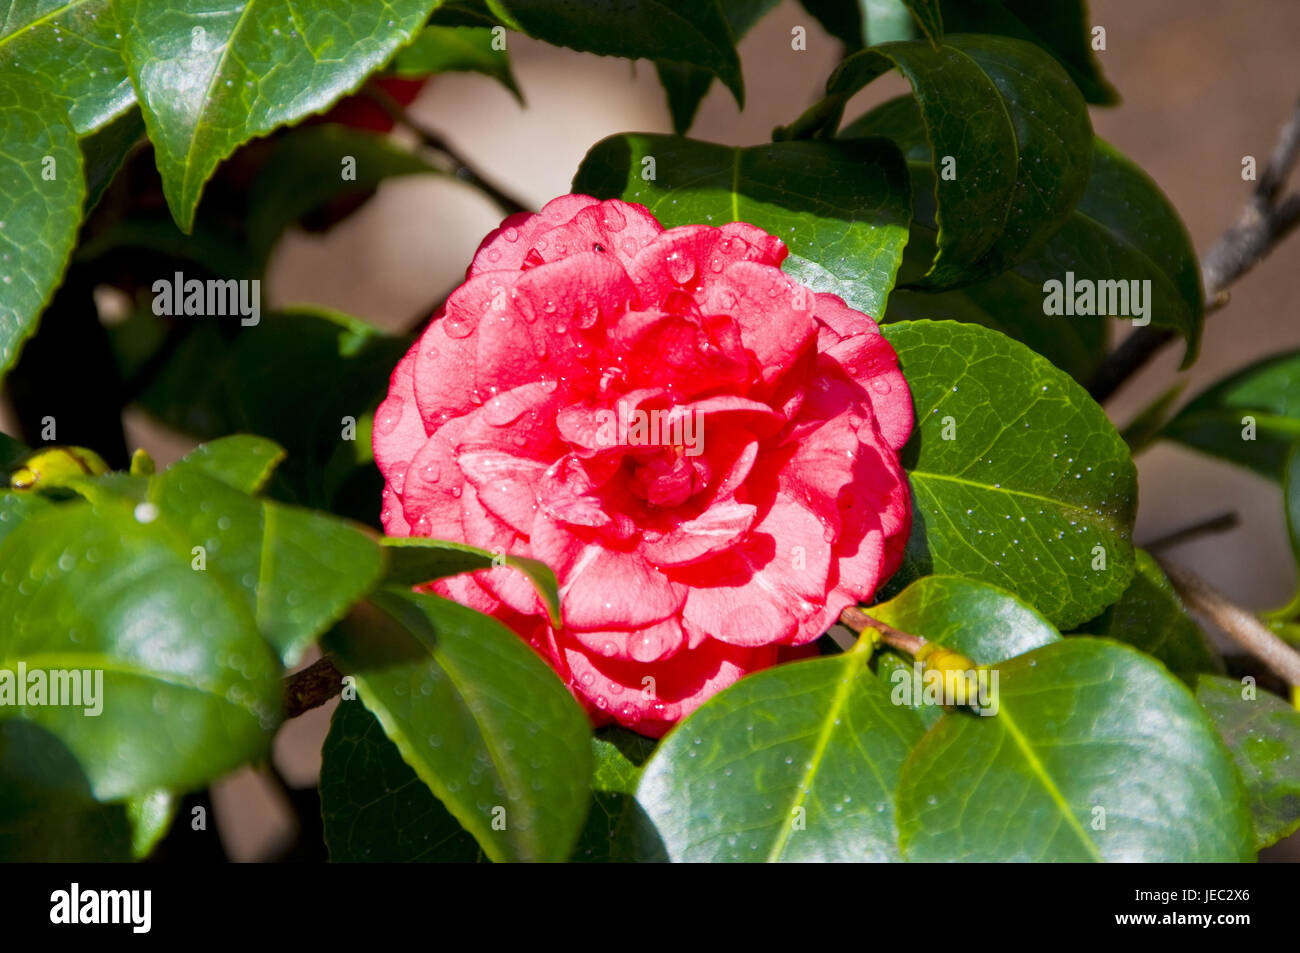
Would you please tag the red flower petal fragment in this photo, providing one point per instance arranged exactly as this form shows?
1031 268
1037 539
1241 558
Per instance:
703 450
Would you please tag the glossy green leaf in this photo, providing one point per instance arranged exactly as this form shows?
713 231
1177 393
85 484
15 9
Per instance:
687 85
841 208
298 570
414 560
479 717
1251 418
1150 616
41 194
1263 734
795 763
451 49
1012 306
980 621
925 12
1096 754
1018 478
1015 129
71 46
1123 229
313 164
210 77
190 691
1061 27
690 32
242 461
374 807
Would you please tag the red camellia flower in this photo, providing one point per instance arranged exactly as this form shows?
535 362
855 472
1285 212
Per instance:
703 450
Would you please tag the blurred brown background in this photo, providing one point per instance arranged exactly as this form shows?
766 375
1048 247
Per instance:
1204 82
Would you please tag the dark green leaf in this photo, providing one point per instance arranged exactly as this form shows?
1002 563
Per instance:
1251 418
796 763
374 807
41 194
104 151
1150 616
687 85
47 812
71 46
211 79
842 19
1263 734
1096 753
691 32
450 49
1015 129
414 560
1032 491
617 829
841 208
1060 27
926 13
1123 229
479 717
293 378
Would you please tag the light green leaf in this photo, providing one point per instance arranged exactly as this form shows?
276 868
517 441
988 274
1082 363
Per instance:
242 461
795 763
1095 754
1018 478
189 689
841 208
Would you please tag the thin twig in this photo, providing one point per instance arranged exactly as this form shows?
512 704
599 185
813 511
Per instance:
310 688
1214 524
460 166
1240 624
1261 226
857 620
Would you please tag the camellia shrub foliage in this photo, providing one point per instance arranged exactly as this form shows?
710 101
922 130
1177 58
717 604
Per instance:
745 504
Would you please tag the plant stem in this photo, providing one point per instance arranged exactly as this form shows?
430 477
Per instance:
1214 524
312 687
1242 625
1262 224
460 166
859 621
